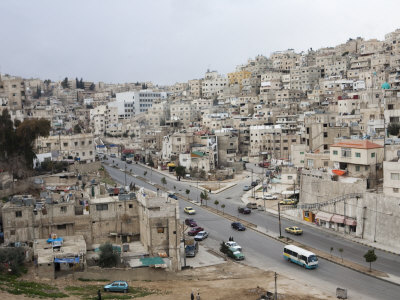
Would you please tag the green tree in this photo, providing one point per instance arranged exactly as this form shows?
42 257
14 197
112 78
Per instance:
164 181
38 92
187 192
204 196
17 141
341 253
393 129
216 202
144 173
64 83
370 257
92 87
81 84
77 82
14 258
203 174
223 248
77 129
180 172
108 256
151 162
223 207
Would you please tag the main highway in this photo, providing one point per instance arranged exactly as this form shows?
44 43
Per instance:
266 253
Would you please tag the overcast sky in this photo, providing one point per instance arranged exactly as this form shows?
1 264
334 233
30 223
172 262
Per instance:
169 41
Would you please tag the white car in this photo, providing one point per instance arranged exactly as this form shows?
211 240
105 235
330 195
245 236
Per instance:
270 197
201 236
234 245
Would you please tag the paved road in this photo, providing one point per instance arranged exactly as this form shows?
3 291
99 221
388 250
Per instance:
266 253
312 236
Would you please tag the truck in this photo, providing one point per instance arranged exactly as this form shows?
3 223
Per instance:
191 247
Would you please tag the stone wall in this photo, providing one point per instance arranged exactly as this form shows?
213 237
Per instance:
128 274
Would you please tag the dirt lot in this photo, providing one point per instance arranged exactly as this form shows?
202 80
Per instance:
225 281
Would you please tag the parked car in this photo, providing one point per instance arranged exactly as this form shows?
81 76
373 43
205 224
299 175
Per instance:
246 188
244 210
123 158
173 196
201 236
191 248
117 286
129 160
195 230
264 164
190 222
251 205
238 226
270 197
234 245
236 255
189 210
113 155
254 183
294 230
287 202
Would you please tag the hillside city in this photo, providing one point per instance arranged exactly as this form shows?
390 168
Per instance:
291 156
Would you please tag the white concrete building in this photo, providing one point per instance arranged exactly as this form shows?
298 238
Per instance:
135 102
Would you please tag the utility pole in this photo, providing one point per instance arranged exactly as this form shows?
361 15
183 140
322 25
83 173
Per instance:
252 187
276 287
279 217
184 244
344 213
125 174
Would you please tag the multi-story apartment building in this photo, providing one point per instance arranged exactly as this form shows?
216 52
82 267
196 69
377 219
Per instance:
195 86
213 84
12 89
79 147
238 77
135 102
183 111
285 60
271 140
104 120
304 78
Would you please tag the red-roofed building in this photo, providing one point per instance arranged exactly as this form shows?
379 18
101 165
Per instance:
359 158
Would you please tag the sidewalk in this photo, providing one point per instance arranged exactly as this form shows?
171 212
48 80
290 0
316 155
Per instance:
194 183
355 239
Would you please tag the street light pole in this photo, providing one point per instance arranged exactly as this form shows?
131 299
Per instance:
279 217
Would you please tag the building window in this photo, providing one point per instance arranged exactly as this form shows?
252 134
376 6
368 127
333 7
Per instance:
130 205
326 163
302 161
358 154
395 176
335 152
373 154
357 168
63 209
290 177
61 227
18 214
101 207
160 229
346 152
395 190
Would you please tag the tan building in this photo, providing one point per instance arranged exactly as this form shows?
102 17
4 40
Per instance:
78 146
13 88
358 158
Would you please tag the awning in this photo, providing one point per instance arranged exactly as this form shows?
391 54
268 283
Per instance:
67 260
339 172
171 165
152 261
350 222
338 219
324 216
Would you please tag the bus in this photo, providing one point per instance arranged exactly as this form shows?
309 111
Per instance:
300 256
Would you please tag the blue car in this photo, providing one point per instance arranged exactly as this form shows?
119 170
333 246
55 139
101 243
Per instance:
117 286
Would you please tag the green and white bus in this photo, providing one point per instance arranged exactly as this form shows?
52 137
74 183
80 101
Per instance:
300 256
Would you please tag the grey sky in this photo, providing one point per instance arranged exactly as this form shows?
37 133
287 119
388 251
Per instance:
169 41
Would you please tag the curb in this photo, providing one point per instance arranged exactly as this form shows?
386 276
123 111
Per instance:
283 242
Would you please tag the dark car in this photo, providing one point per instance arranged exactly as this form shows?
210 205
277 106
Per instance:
238 226
195 230
173 196
244 210
190 222
254 183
